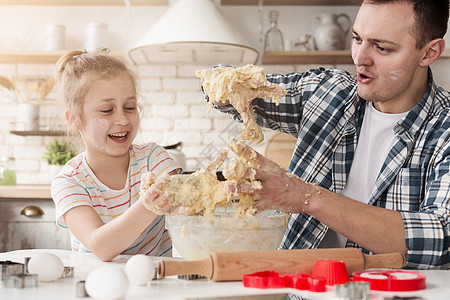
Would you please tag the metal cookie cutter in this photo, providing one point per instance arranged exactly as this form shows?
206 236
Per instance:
353 290
13 275
16 275
68 272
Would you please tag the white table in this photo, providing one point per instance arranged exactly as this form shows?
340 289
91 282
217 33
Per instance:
438 283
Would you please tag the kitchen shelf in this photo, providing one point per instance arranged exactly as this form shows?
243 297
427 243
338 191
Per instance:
39 132
308 57
316 57
29 192
166 2
82 2
39 56
289 2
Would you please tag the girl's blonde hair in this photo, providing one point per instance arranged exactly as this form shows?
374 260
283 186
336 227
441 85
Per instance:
76 70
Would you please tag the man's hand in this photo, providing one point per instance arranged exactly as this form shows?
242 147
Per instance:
238 87
280 189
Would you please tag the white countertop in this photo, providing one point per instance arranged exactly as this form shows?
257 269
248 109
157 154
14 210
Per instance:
172 288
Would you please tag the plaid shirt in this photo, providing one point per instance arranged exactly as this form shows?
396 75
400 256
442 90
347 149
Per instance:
323 111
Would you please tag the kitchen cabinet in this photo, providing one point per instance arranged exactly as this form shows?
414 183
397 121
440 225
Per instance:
27 223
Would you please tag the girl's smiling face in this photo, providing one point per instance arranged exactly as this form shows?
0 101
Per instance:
110 117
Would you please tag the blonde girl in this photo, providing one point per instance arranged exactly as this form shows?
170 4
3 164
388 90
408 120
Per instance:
97 193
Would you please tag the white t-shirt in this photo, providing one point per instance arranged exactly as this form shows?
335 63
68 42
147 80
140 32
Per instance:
375 141
77 185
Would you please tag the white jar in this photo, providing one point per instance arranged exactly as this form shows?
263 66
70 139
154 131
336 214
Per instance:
55 37
331 35
95 36
28 116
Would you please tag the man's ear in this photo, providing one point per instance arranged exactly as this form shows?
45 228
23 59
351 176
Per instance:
73 121
434 50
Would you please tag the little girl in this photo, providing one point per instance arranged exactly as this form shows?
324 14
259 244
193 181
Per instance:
97 193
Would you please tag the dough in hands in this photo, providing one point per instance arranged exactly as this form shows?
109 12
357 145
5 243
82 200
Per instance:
240 86
201 191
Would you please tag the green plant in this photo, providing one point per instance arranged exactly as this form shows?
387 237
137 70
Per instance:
58 152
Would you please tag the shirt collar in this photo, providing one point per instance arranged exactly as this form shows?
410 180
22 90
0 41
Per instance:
417 116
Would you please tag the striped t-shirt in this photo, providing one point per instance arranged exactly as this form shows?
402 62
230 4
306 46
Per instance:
77 185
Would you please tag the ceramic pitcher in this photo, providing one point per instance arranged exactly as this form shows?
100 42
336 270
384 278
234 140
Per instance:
331 35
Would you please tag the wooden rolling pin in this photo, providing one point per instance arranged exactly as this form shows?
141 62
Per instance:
230 266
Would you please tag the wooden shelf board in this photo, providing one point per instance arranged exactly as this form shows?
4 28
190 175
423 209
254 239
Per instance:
39 56
315 57
38 132
299 57
308 57
30 192
289 2
82 2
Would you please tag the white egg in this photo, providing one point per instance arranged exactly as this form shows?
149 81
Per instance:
48 266
140 269
107 283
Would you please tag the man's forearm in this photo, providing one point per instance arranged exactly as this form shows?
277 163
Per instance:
377 229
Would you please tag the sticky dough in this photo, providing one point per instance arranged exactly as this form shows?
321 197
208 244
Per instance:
240 86
201 192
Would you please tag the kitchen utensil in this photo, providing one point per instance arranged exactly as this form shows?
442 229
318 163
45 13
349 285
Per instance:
81 289
333 270
353 290
5 82
230 266
196 237
273 280
392 280
16 275
9 268
34 87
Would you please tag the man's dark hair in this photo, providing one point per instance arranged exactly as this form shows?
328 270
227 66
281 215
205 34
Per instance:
431 18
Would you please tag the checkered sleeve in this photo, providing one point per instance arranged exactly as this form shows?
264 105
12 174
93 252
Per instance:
427 231
287 116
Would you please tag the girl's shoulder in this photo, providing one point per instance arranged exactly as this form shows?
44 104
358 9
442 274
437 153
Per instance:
74 167
145 150
151 157
73 174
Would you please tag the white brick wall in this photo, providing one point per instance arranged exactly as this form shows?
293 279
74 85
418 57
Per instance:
174 110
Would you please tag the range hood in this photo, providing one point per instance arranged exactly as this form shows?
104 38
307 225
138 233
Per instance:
193 32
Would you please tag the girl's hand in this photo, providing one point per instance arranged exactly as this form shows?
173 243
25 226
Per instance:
154 200
280 190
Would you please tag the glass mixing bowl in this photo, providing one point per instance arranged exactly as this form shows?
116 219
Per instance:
195 237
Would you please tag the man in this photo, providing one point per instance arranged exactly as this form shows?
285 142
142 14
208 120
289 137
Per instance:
372 160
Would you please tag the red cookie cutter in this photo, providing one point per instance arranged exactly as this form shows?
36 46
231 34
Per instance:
272 280
392 280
